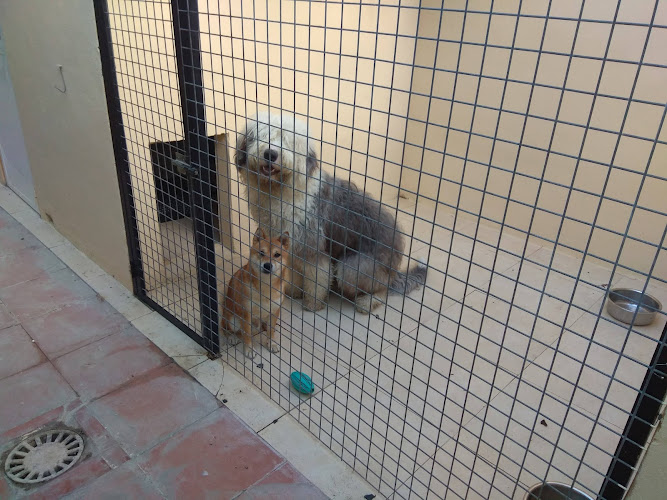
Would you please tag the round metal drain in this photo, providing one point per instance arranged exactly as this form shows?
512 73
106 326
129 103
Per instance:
44 456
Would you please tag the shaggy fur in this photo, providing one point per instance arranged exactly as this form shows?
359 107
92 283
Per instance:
341 237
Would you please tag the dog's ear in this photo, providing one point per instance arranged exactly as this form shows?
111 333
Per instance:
259 235
241 155
312 163
284 240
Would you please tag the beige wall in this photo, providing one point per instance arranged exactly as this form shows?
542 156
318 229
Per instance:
453 123
67 135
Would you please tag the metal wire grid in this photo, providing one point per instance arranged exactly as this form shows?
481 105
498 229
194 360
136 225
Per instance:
454 390
148 87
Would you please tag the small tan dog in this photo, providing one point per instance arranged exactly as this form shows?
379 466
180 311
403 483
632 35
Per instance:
256 291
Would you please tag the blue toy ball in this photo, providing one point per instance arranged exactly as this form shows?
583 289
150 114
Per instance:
302 383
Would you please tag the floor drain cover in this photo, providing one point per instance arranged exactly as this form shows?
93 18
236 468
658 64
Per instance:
44 456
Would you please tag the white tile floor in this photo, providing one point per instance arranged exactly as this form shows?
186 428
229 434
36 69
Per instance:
456 388
463 396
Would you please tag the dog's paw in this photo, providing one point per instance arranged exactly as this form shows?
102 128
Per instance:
366 303
294 292
362 309
249 351
312 304
232 340
271 345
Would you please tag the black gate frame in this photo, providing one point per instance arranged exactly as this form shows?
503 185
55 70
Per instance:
188 59
646 410
639 427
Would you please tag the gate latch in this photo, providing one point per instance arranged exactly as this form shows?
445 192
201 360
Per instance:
184 167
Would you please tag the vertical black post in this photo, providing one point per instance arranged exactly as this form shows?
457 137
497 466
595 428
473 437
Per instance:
645 413
188 58
119 147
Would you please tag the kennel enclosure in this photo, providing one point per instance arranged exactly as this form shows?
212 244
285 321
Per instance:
521 147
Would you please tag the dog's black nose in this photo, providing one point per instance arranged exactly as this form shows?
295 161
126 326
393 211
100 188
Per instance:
267 267
271 154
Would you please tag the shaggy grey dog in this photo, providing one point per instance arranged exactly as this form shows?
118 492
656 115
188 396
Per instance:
341 237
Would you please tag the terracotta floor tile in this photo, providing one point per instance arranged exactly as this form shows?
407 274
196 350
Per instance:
6 317
218 457
77 476
58 414
100 367
26 265
46 293
74 325
98 436
17 351
14 237
152 407
5 489
125 482
284 483
31 393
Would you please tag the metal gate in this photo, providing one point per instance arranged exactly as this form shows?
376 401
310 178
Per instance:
517 148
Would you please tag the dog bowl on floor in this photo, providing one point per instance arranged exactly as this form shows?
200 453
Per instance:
623 302
555 491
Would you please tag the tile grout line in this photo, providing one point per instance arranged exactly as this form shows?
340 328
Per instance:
139 379
276 468
144 474
46 360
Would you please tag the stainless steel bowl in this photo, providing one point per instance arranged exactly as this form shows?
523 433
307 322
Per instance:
555 491
623 302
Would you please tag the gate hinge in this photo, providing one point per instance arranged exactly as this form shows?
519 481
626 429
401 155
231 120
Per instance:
183 166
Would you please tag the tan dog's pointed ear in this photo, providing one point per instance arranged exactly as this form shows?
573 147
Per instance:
259 235
284 240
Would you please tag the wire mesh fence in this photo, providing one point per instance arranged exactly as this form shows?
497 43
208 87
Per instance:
460 183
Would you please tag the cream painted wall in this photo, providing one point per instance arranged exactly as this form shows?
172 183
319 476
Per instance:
67 135
455 130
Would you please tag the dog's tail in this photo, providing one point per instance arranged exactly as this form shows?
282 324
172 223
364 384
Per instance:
414 278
